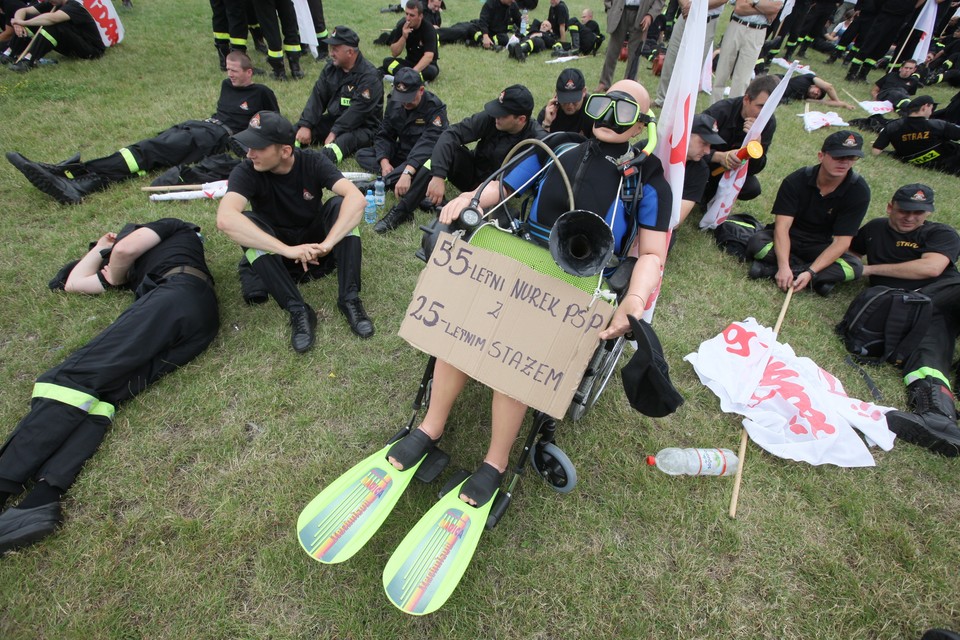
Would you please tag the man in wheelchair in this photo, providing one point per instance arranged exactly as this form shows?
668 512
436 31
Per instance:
608 176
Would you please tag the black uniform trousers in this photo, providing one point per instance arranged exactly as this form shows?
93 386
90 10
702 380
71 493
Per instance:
935 351
183 143
230 24
367 159
269 12
64 38
847 267
882 34
391 64
854 37
462 173
280 276
348 142
163 329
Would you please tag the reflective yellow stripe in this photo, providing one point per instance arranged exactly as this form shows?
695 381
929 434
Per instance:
393 66
220 35
336 151
274 54
239 42
46 34
131 162
253 254
104 409
848 273
355 232
292 48
74 398
760 255
925 372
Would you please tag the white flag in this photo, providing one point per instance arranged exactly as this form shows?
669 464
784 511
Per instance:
813 120
925 24
673 130
792 408
786 10
732 181
107 19
308 34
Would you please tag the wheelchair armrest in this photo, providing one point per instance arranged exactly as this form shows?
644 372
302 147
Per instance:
619 280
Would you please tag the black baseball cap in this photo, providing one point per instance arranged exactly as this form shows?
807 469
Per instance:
646 378
914 197
343 35
267 128
916 103
570 85
705 126
843 144
406 83
515 100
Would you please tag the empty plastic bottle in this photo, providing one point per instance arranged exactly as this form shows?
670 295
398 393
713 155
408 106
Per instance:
523 23
379 193
695 462
370 211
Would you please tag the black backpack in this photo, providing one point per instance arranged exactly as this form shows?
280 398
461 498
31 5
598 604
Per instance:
733 234
884 324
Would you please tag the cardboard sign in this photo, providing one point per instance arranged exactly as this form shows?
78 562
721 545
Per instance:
515 330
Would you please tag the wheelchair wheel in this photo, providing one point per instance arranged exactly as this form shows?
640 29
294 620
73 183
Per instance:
595 379
554 466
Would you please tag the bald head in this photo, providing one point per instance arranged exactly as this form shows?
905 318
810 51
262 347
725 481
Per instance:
635 89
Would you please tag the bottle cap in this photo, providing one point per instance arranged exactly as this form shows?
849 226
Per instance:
369 192
651 460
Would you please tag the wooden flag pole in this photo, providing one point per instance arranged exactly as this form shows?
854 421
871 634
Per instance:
174 187
30 45
741 454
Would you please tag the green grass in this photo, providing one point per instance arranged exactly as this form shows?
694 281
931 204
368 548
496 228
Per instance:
182 526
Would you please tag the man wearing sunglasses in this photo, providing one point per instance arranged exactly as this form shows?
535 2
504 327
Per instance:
818 210
595 170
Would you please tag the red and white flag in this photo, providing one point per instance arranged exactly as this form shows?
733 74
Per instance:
732 181
925 24
792 408
673 129
108 22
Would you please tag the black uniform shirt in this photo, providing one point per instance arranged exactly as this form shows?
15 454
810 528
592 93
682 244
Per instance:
914 137
409 136
492 147
354 98
558 16
496 18
180 246
730 122
420 41
433 17
797 86
7 9
290 202
882 244
80 19
695 179
238 104
893 81
819 218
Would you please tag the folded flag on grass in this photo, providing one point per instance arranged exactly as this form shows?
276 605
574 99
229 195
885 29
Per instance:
792 408
813 120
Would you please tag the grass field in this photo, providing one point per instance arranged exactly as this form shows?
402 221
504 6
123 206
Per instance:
182 526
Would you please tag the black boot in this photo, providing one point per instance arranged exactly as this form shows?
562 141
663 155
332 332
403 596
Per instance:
394 218
833 57
853 71
303 323
279 71
762 270
63 189
293 59
933 421
575 42
256 33
223 48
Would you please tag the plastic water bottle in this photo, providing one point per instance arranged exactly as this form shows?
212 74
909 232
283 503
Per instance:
523 23
695 462
370 211
379 194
